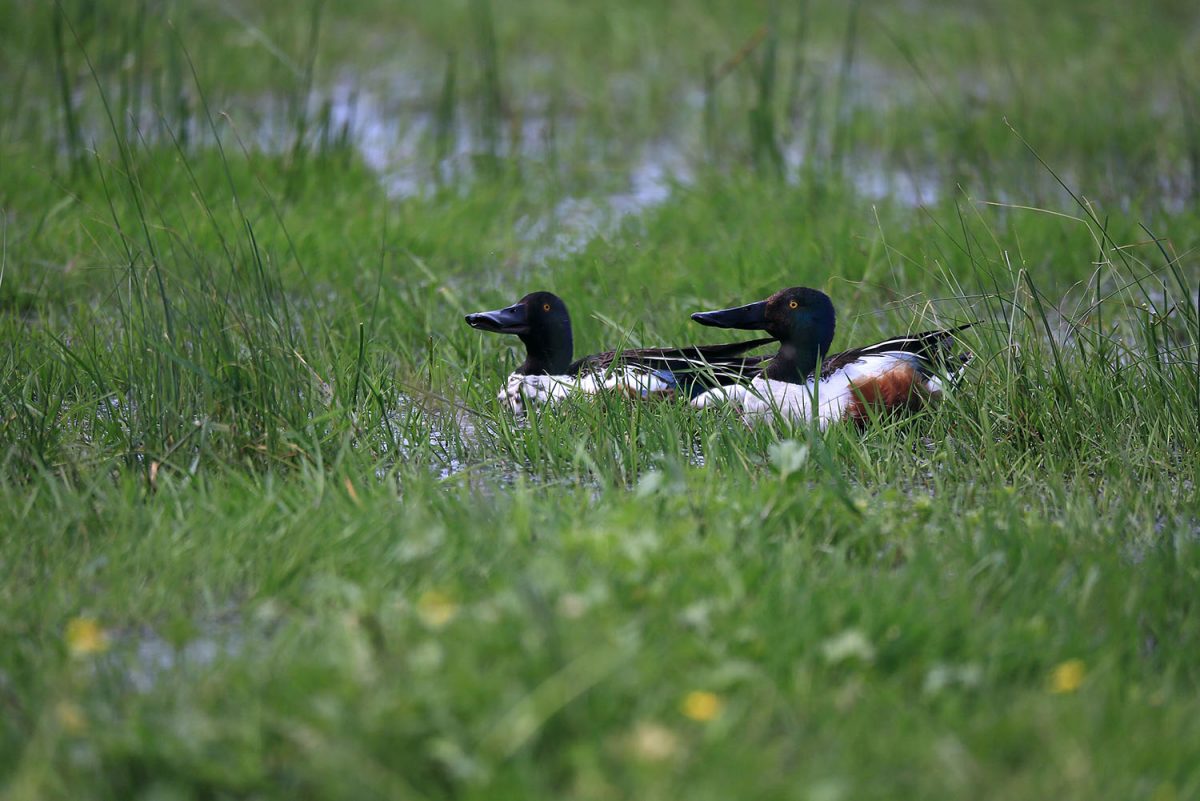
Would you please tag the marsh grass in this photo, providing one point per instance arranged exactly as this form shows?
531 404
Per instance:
245 434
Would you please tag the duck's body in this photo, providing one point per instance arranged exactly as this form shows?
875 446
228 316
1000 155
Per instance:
641 374
548 376
876 380
896 375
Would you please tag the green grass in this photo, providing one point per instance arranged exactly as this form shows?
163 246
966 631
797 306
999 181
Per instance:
265 532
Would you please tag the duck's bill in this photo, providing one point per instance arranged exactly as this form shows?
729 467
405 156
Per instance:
751 317
513 320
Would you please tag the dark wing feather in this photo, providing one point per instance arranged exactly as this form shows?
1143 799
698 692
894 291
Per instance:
925 345
695 365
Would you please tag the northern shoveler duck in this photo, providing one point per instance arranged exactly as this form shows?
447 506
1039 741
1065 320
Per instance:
899 374
548 374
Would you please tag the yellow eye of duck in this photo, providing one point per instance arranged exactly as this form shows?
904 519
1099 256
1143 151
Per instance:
545 307
793 305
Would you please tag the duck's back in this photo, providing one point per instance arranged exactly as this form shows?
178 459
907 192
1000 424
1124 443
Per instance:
687 371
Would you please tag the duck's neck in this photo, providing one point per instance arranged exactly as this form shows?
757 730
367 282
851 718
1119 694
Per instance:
796 360
548 352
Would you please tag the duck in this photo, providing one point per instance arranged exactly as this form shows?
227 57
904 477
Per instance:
897 375
549 374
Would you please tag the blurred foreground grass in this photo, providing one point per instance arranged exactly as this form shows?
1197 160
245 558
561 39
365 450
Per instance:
264 531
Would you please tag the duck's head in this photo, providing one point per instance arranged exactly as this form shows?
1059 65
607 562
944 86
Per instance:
802 319
540 319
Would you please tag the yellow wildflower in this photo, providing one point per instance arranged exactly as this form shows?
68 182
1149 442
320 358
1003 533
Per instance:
701 705
436 608
1067 677
70 717
84 636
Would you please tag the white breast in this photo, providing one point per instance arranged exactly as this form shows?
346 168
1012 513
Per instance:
763 399
521 392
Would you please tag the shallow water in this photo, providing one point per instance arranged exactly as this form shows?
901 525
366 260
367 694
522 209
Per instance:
150 657
393 123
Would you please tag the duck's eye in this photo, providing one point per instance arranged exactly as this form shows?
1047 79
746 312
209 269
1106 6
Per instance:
545 307
793 304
